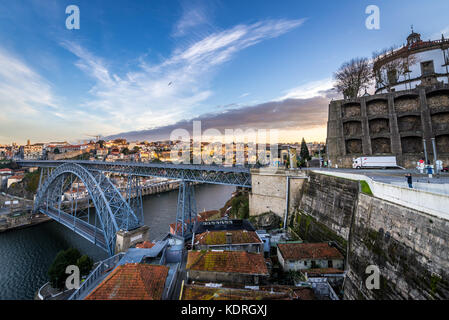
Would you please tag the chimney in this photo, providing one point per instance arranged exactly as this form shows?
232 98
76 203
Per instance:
228 238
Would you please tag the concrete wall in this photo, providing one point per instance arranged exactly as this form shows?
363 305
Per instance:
432 203
126 239
269 189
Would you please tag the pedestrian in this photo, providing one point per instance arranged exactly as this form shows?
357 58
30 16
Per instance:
408 176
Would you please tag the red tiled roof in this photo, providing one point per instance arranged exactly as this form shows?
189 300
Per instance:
5 170
16 177
145 245
132 281
199 292
227 261
300 251
219 237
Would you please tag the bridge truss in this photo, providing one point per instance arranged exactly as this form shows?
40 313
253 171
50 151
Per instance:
114 211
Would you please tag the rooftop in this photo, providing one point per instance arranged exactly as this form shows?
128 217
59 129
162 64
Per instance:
219 237
132 281
301 251
145 245
199 292
227 261
222 224
320 271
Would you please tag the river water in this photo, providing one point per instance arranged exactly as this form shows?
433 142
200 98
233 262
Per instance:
26 254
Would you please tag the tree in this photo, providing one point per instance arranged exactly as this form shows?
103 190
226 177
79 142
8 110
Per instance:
136 149
353 76
56 151
56 272
101 143
85 264
304 153
125 151
391 72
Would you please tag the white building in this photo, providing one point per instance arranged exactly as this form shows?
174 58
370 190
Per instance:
416 63
294 256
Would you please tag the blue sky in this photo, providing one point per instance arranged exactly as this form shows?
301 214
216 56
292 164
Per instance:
139 65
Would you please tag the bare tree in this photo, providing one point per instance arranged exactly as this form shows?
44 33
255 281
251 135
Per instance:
390 73
353 77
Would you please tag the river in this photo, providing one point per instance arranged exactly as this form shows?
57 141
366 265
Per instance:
26 254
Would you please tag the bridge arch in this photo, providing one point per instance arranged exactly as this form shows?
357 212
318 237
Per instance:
112 210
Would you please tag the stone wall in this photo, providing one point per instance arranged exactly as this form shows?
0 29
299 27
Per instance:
394 124
409 247
326 208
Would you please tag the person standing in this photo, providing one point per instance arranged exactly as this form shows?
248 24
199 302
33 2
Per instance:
408 176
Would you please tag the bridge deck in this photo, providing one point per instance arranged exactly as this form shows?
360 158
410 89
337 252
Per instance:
84 229
237 176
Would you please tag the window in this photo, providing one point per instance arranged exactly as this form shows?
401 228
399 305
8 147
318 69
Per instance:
392 76
427 68
313 264
329 264
305 262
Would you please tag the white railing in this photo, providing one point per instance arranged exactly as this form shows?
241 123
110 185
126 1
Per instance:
436 204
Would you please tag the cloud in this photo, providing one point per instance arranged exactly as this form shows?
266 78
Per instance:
193 15
23 90
289 114
161 94
309 90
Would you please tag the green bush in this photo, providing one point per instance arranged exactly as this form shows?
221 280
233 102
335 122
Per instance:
240 207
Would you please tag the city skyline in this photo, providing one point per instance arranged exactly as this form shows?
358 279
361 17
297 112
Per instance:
147 69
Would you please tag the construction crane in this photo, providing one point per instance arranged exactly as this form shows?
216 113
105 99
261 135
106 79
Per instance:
97 137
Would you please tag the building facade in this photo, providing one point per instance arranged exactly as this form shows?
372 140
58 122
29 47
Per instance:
406 118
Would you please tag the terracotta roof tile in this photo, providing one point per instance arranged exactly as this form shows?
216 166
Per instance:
300 251
145 245
219 237
199 292
133 281
227 261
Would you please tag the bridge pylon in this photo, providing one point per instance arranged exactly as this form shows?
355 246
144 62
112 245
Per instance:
186 213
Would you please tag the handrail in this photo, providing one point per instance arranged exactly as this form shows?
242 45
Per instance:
94 275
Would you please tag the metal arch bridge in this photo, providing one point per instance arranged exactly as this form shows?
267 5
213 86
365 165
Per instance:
115 212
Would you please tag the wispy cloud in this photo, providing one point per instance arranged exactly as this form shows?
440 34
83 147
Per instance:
311 89
22 90
194 14
164 93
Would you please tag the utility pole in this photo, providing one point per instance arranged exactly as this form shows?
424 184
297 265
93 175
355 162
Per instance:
425 150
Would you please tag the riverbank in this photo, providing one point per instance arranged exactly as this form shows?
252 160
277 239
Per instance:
19 221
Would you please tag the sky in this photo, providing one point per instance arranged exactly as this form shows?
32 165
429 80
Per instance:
139 69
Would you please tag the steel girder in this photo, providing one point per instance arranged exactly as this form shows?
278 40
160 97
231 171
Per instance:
186 213
112 210
236 176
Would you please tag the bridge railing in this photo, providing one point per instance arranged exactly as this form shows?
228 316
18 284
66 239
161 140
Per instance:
98 272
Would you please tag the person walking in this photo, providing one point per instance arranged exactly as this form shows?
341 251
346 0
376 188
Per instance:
408 176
